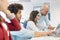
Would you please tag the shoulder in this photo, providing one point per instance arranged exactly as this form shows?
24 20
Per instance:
30 22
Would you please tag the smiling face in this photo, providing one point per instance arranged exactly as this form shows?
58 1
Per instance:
37 17
18 15
44 10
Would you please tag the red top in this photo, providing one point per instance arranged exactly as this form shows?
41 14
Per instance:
13 26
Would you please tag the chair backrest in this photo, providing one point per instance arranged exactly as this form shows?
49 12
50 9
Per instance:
25 24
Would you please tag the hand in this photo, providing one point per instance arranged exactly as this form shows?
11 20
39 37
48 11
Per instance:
3 5
52 32
51 27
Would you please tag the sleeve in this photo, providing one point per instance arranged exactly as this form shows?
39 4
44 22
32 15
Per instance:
32 26
24 33
14 25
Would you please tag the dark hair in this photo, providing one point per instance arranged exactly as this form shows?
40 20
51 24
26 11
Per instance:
14 8
0 18
33 16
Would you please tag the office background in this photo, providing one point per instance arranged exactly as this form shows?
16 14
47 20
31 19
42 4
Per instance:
29 4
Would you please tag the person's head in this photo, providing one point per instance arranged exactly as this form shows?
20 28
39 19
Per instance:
16 9
34 16
44 10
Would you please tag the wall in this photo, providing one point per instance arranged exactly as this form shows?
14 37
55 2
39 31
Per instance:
55 12
54 9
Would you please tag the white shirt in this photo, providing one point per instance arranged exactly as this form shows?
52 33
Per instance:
43 23
32 26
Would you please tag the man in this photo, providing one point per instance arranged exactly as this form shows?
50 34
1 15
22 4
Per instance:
43 24
23 34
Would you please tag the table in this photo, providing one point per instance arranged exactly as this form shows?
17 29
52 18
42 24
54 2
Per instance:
46 38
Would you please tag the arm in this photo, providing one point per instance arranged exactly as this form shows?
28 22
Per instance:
37 33
14 25
40 34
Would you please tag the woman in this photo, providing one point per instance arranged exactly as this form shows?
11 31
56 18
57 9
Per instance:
34 17
4 26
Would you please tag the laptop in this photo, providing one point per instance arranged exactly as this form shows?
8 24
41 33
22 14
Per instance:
57 31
